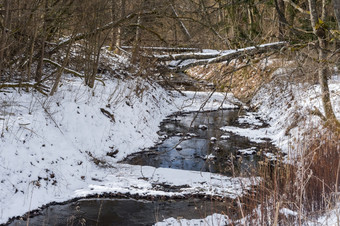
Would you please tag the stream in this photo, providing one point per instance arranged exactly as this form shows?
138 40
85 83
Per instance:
127 212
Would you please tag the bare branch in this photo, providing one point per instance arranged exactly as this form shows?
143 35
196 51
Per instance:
181 24
297 7
98 30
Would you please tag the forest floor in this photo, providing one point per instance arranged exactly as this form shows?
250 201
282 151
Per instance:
61 147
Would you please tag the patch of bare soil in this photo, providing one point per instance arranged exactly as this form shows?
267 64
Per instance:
242 78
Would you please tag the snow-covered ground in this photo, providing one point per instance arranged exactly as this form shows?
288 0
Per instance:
212 220
287 110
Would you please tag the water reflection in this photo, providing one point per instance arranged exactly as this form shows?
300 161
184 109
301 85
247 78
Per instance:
123 212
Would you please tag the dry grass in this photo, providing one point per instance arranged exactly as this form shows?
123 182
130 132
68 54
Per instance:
323 158
310 187
242 77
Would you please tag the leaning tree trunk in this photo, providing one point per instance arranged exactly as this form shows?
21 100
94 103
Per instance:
320 32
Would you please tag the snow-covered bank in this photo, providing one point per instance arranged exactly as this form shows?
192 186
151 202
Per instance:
215 219
60 147
286 107
127 179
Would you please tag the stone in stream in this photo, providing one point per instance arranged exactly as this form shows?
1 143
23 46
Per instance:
203 127
191 135
179 147
225 137
248 151
213 139
209 157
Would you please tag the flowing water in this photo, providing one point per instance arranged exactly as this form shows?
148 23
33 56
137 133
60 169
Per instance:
127 212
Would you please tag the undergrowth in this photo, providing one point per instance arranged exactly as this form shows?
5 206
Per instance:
297 193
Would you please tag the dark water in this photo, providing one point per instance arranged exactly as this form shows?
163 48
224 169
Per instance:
190 138
129 212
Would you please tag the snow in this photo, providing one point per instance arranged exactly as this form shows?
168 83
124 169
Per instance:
331 217
285 108
288 212
202 127
250 118
248 151
212 220
225 137
255 135
127 179
209 157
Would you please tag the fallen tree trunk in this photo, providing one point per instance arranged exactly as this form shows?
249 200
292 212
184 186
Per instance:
37 86
164 49
75 73
196 59
186 56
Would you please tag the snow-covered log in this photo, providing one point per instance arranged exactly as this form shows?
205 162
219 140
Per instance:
186 61
164 49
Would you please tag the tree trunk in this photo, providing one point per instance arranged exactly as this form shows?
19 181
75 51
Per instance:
60 71
114 15
120 28
282 19
336 5
180 23
4 39
39 70
322 67
138 37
